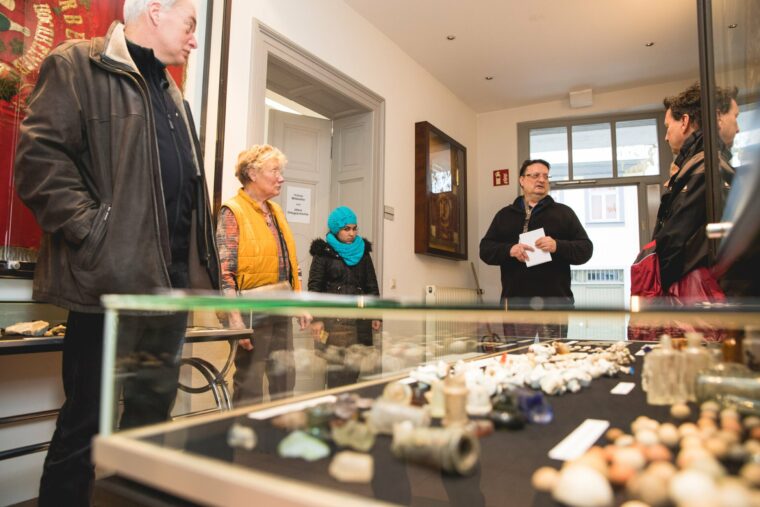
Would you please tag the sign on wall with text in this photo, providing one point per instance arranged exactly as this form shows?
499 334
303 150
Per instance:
500 177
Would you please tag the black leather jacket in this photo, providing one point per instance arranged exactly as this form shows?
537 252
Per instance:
87 166
330 273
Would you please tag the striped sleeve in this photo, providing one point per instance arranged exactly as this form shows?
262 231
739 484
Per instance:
227 239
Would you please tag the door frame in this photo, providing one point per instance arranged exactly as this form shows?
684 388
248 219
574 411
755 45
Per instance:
265 42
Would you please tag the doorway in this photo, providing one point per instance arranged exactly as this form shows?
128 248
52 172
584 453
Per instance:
327 138
332 132
357 123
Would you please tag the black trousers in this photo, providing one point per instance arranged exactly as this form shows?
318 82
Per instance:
68 471
148 348
272 355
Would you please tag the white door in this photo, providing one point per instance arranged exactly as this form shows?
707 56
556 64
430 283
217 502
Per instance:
305 200
352 170
305 195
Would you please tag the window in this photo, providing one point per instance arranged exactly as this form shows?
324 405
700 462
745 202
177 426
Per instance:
748 138
602 148
604 205
551 145
637 149
592 151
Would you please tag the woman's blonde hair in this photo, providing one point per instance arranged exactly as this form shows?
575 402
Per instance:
254 158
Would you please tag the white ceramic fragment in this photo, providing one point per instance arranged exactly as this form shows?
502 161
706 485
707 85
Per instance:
680 411
478 401
544 479
582 486
668 434
349 466
242 437
691 487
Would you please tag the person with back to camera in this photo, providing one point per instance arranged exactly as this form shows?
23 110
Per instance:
257 249
342 264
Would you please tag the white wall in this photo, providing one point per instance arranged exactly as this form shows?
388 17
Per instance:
333 32
497 149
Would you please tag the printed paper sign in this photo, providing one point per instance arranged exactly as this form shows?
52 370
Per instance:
298 205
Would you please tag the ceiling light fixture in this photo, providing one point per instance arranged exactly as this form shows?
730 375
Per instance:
733 25
649 44
489 78
451 37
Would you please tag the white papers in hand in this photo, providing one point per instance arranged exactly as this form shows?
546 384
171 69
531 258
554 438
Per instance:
537 256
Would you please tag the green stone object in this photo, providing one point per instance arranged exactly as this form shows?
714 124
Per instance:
354 434
301 445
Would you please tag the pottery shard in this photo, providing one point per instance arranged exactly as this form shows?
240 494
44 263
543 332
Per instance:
582 486
36 328
349 466
242 437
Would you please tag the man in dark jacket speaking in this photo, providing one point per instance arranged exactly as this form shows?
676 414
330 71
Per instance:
109 163
564 239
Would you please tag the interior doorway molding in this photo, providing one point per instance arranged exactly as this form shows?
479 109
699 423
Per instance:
266 42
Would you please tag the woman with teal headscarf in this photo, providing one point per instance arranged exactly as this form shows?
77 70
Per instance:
341 264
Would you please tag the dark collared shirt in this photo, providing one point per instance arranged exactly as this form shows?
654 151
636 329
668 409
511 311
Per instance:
174 151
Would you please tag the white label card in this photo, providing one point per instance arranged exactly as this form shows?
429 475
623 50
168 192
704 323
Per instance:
623 388
290 407
580 440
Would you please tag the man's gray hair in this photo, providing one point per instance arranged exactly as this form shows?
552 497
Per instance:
133 8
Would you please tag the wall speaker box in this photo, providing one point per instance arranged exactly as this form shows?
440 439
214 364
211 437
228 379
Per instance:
581 98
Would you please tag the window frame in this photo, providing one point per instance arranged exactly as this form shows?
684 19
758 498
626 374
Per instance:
664 154
646 222
617 191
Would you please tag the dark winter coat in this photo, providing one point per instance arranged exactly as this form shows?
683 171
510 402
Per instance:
330 273
681 217
87 166
548 280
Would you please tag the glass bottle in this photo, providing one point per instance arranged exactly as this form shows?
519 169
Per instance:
662 375
695 359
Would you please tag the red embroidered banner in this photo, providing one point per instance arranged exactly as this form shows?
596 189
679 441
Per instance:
29 30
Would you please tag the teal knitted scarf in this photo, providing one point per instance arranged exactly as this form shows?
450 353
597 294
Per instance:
351 253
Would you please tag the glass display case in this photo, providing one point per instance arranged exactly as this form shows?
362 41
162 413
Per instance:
227 448
734 54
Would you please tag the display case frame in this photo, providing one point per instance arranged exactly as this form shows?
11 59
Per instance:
177 457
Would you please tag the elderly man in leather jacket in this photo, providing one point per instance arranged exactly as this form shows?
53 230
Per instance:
109 163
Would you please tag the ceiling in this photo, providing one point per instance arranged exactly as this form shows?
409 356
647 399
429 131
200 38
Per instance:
539 50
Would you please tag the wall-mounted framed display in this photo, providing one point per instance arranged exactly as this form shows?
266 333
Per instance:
440 197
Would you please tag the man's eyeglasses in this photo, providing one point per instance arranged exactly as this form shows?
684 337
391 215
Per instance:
536 176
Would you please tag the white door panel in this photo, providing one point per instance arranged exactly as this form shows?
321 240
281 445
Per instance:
305 141
352 169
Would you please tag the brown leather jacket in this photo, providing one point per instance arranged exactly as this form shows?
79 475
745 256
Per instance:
87 166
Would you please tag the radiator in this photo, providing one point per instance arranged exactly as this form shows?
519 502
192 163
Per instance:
446 337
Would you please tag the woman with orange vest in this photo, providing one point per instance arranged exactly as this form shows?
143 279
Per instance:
256 249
